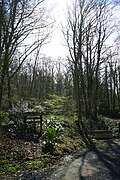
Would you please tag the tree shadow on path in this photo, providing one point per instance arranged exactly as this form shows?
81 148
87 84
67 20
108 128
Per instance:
109 157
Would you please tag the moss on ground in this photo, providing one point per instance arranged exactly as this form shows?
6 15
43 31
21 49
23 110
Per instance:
68 146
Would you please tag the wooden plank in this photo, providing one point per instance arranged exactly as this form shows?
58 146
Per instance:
103 134
32 117
36 122
27 116
32 113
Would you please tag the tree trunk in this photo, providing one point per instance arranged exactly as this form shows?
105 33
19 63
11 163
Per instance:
2 87
9 94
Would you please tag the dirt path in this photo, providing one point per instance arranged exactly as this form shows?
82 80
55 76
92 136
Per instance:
92 164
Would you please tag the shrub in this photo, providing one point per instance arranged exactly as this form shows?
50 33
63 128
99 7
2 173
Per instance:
72 131
3 118
16 114
17 110
115 131
52 134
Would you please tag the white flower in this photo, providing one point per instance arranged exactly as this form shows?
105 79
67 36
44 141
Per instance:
44 142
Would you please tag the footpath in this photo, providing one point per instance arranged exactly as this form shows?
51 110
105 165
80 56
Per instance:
92 164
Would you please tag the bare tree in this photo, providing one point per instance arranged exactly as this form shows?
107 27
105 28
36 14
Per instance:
19 22
86 32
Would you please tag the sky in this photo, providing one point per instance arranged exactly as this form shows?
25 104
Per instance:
55 48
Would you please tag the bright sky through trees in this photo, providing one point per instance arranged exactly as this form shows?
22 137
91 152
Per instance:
57 11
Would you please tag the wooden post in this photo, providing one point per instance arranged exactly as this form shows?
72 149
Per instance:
40 124
34 125
25 123
119 127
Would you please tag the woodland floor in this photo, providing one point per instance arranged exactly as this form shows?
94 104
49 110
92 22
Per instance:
92 164
23 154
101 162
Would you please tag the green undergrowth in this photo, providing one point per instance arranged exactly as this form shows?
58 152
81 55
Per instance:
65 147
101 143
68 146
60 137
45 160
6 166
59 105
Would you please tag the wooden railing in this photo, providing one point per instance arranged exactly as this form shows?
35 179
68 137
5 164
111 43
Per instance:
31 117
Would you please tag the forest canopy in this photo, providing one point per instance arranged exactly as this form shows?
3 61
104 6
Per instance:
90 73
